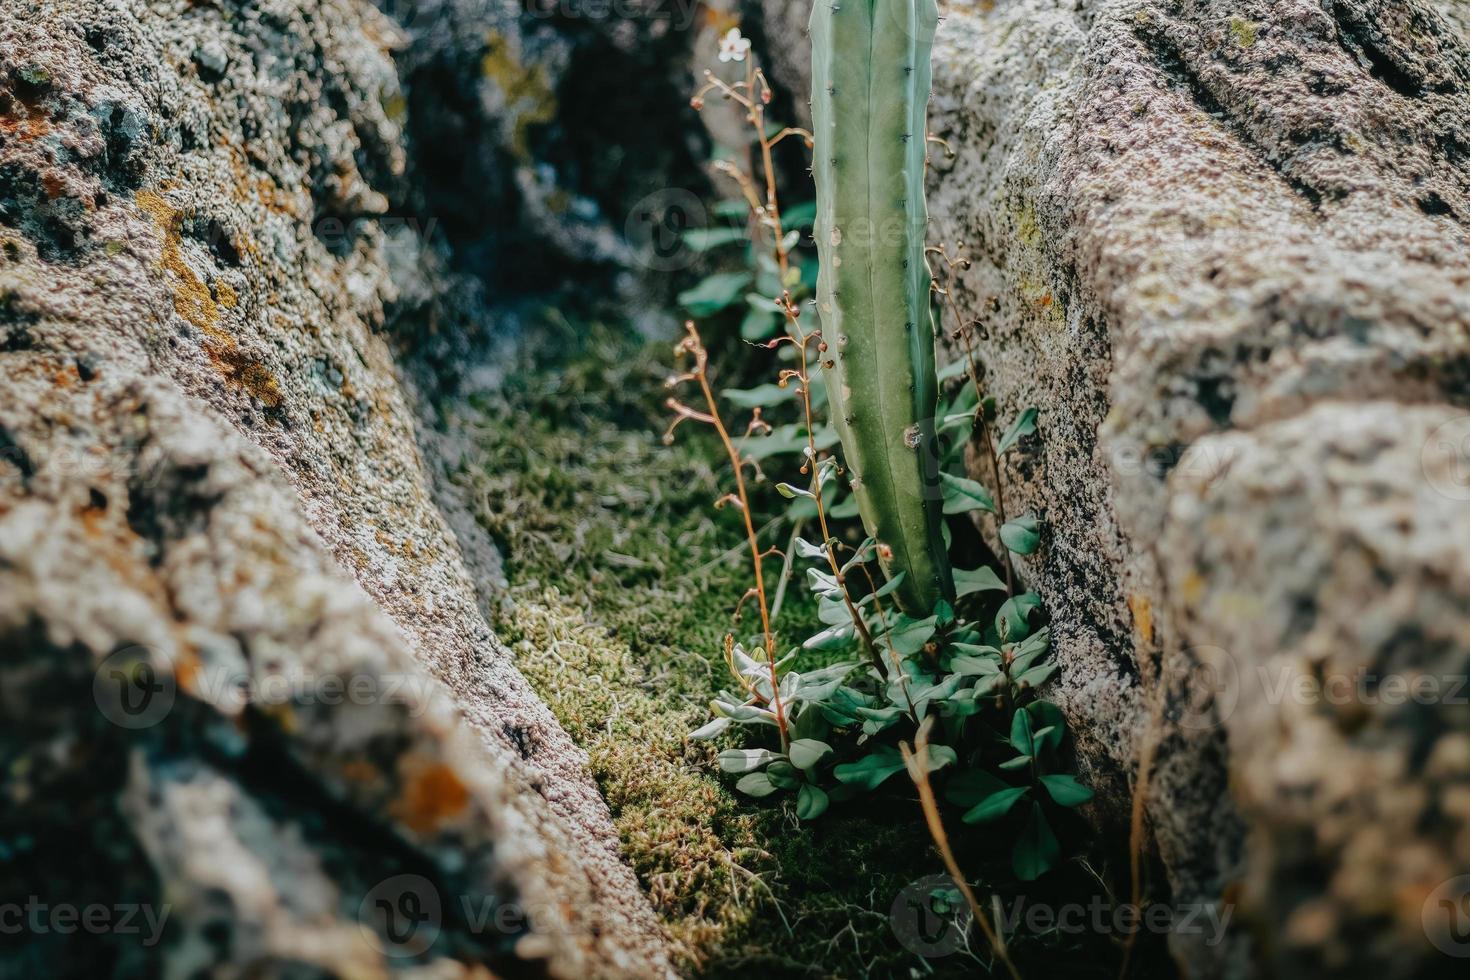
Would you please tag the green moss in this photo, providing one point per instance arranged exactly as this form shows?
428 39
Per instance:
623 578
1242 31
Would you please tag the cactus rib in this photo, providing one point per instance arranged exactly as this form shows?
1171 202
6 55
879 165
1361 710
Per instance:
870 92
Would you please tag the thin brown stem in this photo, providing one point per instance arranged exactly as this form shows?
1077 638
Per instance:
693 345
917 761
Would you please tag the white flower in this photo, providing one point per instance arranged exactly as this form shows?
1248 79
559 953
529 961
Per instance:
733 47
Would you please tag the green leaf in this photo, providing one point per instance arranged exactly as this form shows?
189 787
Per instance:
735 207
761 396
970 787
1036 676
1022 738
704 239
823 583
909 635
1013 619
981 579
756 784
783 774
1019 762
1066 790
787 440
1037 850
710 730
805 549
788 491
831 638
973 666
953 370
1024 425
941 756
871 770
847 508
746 760
821 684
811 802
1030 650
759 324
714 293
962 496
996 806
1022 535
745 714
1047 717
807 752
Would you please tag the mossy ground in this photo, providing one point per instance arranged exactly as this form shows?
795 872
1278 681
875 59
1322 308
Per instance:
623 577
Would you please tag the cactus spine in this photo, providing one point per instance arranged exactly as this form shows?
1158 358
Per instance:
870 93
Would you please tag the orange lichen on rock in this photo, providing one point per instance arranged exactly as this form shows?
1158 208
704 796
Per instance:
192 299
1143 616
433 793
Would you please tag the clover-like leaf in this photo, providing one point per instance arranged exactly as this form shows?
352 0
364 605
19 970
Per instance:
756 784
1021 535
805 753
811 802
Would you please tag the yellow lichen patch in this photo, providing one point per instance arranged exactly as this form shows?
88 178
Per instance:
1028 230
227 297
528 96
192 299
432 794
245 372
1143 616
1242 31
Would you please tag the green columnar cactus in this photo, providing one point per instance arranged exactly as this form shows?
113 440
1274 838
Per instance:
870 94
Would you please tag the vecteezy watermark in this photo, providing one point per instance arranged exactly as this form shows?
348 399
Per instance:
1446 917
134 687
403 916
656 228
1204 687
35 917
1445 458
930 918
137 686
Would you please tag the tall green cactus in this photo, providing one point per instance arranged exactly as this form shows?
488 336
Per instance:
870 94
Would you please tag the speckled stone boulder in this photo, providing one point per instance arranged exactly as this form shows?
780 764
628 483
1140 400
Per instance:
246 681
1223 247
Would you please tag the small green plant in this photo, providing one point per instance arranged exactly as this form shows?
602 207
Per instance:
827 716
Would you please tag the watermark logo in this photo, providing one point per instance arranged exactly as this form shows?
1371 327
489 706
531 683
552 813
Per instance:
930 917
656 227
1446 917
1445 458
1206 689
401 916
134 687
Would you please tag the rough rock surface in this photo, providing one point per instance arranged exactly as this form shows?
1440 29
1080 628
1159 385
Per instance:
1223 247
213 515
